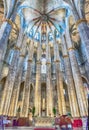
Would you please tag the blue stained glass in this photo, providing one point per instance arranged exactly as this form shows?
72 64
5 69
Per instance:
50 36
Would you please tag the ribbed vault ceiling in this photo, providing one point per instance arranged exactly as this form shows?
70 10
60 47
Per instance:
40 17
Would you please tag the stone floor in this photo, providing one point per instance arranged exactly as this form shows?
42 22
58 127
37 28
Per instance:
22 128
32 128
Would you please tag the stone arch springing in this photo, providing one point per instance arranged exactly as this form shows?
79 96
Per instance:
85 79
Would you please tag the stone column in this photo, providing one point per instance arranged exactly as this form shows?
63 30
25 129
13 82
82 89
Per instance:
6 27
60 90
25 103
37 100
82 101
49 94
9 84
70 82
16 89
11 78
82 25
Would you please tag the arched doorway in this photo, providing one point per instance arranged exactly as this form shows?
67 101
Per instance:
2 84
86 85
43 99
21 91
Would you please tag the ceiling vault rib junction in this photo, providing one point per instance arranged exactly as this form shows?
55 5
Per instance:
42 10
37 28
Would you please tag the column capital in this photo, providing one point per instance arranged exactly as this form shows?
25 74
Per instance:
13 24
38 62
80 21
57 60
65 56
17 48
48 62
71 48
22 55
29 60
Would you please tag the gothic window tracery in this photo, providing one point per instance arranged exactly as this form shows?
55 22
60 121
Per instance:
10 56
